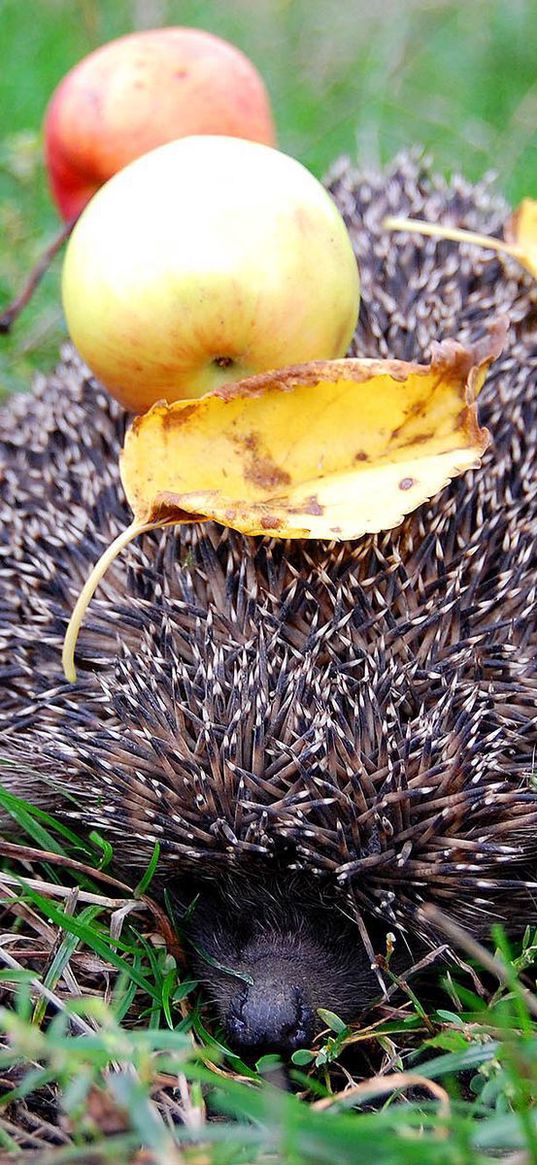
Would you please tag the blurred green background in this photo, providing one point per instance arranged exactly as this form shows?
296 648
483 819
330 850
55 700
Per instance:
458 77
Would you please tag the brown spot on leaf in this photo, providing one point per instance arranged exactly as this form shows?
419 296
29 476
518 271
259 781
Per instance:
176 418
416 411
265 474
361 455
311 505
261 470
418 439
406 483
168 506
270 522
250 442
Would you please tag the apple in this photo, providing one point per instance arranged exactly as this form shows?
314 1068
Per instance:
205 261
139 92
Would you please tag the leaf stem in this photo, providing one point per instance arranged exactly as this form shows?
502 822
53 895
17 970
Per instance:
455 234
90 586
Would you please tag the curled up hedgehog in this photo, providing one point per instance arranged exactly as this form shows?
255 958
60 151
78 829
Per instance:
322 737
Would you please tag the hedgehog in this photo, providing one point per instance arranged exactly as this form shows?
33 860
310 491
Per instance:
322 738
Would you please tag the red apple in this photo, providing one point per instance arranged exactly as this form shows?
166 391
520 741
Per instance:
141 91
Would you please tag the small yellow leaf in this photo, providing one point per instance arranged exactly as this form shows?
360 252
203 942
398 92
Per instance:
321 450
521 233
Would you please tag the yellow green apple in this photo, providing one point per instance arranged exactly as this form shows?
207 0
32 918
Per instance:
205 261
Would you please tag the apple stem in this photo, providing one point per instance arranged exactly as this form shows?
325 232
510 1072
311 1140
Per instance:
455 234
17 305
90 586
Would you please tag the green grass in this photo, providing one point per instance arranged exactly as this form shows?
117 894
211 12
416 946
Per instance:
344 75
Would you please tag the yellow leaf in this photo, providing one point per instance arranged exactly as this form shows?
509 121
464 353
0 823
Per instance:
323 450
520 234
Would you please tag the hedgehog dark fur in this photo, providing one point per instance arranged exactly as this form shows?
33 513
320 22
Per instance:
321 737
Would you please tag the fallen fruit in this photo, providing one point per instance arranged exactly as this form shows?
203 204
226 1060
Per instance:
143 90
207 261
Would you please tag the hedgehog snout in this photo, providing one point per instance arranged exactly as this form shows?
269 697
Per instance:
269 1015
269 999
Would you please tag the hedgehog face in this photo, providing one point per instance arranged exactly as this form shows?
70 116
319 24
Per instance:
270 952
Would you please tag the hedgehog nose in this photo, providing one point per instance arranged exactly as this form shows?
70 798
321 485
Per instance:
261 1019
